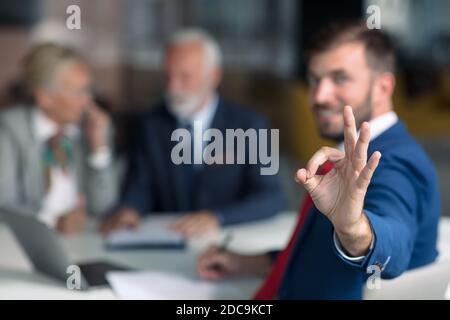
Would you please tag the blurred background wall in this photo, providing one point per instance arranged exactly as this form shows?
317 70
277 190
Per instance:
264 69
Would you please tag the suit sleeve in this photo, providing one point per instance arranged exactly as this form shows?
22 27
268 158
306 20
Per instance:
101 183
8 170
391 204
264 196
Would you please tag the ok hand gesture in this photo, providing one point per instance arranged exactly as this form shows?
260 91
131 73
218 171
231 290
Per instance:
340 193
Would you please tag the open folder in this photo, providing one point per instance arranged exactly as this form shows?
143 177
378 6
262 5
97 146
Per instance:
146 237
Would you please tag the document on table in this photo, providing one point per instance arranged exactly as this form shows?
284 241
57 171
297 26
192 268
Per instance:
155 285
155 234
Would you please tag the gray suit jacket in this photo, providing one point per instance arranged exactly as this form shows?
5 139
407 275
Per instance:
22 169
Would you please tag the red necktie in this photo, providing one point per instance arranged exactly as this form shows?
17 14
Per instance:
272 283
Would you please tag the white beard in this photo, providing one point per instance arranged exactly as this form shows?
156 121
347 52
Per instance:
183 105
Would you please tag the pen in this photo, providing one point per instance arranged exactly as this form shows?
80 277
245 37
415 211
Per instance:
226 241
221 249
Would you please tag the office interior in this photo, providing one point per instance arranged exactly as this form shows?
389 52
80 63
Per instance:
264 66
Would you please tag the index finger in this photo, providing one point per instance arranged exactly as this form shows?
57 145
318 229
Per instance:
350 135
359 158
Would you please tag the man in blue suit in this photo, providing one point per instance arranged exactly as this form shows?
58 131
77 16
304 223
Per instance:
211 195
367 217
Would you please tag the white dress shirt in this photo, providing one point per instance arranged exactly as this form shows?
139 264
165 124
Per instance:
202 118
378 126
206 114
62 195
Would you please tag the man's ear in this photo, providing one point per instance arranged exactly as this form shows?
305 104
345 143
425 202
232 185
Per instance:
216 76
383 88
386 84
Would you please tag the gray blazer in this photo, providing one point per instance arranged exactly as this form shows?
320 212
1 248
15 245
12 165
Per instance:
22 170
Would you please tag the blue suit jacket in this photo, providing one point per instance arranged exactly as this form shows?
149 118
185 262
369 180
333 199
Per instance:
236 192
403 206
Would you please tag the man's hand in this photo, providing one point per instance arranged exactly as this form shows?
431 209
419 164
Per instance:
340 194
216 264
124 218
96 128
196 223
73 221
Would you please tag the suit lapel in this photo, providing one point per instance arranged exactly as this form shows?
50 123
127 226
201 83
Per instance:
390 136
307 225
177 179
205 171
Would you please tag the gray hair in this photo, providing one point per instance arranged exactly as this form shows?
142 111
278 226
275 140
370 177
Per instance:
212 48
42 63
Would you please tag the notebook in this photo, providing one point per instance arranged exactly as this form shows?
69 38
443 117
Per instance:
156 236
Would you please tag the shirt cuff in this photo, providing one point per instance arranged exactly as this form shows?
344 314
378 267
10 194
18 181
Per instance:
100 159
47 218
340 250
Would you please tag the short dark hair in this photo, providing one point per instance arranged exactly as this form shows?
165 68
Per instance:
380 52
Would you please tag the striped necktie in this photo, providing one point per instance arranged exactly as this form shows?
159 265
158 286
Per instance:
57 154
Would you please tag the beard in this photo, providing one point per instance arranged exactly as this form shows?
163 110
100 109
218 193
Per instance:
362 112
184 104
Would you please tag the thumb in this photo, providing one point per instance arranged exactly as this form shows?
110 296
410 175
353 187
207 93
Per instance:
210 257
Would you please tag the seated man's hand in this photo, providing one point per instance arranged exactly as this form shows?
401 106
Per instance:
216 263
73 221
124 218
196 223
96 127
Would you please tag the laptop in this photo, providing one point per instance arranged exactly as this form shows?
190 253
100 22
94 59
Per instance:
45 251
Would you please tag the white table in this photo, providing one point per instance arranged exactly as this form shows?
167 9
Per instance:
18 281
429 282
